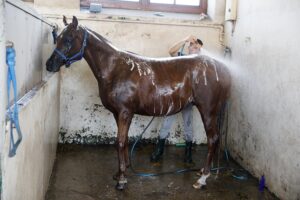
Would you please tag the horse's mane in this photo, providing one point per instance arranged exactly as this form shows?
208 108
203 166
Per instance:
100 37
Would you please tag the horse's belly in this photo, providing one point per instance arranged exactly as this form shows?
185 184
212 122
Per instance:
162 106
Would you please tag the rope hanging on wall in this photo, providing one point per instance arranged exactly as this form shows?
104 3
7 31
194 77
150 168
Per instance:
13 114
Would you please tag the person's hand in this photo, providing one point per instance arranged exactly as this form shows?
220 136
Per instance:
191 38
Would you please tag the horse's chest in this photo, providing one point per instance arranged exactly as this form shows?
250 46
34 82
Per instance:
116 95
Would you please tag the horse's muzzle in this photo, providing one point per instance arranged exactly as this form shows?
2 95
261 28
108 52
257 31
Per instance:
50 66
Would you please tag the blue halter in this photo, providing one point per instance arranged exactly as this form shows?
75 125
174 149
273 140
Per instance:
77 56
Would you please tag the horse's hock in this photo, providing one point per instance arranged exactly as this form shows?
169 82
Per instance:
75 122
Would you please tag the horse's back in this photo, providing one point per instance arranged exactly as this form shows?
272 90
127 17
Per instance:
164 86
211 82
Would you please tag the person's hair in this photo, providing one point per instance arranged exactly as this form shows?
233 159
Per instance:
200 42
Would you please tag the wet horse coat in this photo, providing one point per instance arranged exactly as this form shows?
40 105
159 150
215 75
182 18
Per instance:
131 84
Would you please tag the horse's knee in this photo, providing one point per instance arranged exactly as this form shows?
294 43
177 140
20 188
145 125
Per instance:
125 115
213 140
121 145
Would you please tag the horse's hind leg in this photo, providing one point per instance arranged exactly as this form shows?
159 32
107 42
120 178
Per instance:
210 125
127 162
123 120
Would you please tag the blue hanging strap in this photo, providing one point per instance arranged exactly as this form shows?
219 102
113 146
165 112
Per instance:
180 53
54 35
12 113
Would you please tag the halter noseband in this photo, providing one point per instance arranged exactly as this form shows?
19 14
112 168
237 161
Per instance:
77 56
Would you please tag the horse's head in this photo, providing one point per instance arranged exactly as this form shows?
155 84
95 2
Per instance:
70 46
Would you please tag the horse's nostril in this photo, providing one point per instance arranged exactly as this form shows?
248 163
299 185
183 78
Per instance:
48 63
48 66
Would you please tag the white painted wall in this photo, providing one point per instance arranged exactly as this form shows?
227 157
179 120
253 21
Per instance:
28 35
83 118
265 103
26 176
216 10
3 72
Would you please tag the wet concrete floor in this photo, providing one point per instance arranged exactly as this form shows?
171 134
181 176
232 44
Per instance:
85 173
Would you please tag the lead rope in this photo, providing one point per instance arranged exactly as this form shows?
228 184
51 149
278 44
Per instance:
13 114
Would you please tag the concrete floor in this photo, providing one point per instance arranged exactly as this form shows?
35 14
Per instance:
85 173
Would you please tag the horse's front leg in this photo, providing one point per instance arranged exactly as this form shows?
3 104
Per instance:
123 120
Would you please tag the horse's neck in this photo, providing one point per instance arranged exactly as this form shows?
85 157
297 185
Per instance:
98 52
103 42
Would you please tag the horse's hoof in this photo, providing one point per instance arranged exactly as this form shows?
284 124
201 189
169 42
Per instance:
120 186
198 186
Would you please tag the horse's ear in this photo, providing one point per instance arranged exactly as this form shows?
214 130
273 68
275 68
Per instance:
65 21
75 22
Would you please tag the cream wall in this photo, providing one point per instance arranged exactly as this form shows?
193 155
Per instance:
265 105
69 4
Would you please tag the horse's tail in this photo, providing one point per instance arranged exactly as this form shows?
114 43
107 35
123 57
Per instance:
223 117
222 130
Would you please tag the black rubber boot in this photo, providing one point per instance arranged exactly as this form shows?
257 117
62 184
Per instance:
188 152
158 151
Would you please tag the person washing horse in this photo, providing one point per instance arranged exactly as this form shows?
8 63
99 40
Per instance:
194 47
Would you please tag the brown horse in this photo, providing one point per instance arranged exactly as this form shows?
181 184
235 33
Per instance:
131 84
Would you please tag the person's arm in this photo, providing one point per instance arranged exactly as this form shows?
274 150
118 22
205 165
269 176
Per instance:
174 49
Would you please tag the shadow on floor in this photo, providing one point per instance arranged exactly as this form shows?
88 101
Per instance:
85 173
